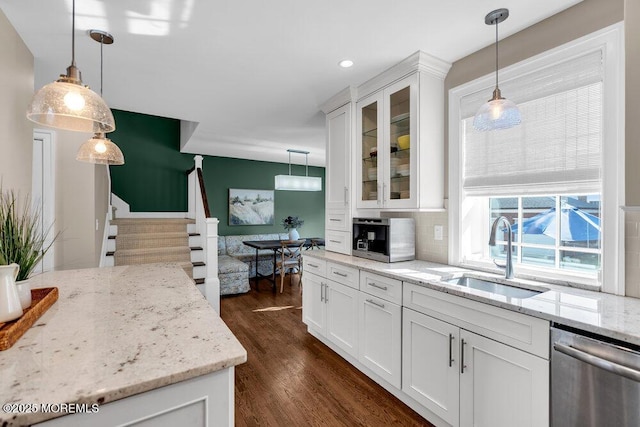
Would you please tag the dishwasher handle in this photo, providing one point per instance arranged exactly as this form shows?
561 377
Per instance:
599 362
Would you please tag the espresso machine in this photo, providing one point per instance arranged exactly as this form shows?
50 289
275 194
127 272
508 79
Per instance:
384 239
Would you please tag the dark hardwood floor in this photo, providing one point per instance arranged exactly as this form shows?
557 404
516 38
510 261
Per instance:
291 378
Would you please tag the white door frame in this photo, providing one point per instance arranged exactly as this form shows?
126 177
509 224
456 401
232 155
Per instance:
43 190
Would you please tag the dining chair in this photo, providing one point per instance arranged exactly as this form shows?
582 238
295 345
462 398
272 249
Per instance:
290 258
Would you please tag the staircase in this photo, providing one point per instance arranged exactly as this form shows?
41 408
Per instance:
152 240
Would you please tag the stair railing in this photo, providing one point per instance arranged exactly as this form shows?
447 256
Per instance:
207 227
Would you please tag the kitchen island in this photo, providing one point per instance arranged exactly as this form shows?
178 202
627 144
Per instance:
122 345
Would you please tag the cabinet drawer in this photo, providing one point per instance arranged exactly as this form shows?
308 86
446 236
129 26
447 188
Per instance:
314 265
517 330
337 220
380 286
338 241
348 276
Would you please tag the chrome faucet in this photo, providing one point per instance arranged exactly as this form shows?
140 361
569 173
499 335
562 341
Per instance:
508 267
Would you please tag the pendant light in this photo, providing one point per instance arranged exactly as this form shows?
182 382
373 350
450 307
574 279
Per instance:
498 112
68 104
298 182
100 149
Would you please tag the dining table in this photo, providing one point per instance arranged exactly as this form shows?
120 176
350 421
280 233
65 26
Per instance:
275 245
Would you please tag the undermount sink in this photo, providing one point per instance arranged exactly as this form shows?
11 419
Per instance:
493 287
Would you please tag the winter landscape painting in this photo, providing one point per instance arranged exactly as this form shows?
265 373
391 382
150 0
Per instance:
251 207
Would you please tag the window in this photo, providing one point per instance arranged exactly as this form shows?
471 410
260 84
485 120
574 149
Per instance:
557 177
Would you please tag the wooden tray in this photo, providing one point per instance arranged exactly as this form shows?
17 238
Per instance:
41 300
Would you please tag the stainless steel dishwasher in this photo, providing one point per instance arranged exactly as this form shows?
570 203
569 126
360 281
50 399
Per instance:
595 381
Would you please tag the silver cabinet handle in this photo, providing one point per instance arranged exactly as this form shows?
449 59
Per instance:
370 301
379 194
375 285
346 196
599 362
312 265
462 365
450 350
321 292
326 292
335 220
384 189
335 241
340 274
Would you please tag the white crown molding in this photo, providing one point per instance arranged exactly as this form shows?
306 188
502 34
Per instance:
345 96
418 61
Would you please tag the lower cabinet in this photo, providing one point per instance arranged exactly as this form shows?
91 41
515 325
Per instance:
332 310
380 329
469 380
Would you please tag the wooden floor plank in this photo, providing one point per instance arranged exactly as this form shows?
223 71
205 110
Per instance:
291 378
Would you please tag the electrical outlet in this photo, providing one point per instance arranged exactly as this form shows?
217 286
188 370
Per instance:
437 232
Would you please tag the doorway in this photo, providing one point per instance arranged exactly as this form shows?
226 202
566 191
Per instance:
43 192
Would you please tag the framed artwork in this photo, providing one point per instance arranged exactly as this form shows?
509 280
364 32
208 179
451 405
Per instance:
251 207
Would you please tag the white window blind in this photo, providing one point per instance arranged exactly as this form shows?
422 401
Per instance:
557 148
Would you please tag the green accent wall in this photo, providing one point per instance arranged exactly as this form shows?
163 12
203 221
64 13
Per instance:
153 177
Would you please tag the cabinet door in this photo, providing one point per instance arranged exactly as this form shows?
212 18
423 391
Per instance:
313 311
342 316
368 151
400 141
338 173
431 364
501 386
380 330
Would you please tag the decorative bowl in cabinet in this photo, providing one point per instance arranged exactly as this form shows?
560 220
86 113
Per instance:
403 142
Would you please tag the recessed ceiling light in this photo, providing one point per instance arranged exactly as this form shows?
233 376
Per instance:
345 63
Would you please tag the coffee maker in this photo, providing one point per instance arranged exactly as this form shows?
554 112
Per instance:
384 239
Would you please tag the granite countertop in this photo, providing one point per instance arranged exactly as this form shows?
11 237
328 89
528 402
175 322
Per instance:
114 332
609 315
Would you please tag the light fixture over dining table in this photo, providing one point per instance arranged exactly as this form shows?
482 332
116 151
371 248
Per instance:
298 182
68 104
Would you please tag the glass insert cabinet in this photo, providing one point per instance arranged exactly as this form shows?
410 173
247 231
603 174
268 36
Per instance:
386 145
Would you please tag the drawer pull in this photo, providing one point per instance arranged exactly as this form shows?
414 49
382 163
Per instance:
375 285
462 365
335 220
340 274
370 301
335 241
313 265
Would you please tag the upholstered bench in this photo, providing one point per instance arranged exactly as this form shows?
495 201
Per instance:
237 261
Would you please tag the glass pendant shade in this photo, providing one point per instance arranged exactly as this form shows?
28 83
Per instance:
497 113
100 150
70 106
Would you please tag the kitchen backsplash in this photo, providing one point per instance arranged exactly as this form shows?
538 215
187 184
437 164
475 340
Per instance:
427 248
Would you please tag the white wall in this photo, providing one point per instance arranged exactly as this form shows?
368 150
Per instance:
16 89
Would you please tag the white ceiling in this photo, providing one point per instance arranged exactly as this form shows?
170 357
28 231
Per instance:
252 73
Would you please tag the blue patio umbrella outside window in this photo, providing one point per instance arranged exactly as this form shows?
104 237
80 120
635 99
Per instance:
575 226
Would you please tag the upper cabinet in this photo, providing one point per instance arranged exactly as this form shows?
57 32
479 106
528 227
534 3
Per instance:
399 144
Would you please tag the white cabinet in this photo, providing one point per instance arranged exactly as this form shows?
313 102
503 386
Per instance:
431 364
381 326
466 378
501 386
380 332
400 138
338 180
331 309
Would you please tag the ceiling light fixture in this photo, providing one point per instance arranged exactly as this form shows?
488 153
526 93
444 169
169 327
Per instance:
68 104
100 149
498 112
345 63
298 182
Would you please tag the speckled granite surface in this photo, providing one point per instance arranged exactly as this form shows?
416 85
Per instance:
114 332
605 314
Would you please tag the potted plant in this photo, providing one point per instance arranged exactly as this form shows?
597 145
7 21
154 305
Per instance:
21 240
292 223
